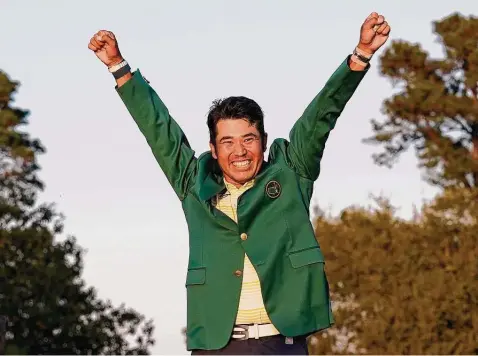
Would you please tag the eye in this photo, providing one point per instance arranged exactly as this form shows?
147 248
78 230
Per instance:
249 140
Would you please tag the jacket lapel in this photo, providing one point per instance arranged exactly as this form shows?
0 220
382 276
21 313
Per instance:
209 178
211 183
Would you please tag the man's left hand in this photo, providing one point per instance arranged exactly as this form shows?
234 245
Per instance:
373 33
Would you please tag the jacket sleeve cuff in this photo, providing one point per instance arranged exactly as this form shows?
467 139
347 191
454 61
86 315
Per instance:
348 77
128 88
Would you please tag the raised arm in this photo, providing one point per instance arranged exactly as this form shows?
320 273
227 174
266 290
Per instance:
311 131
167 141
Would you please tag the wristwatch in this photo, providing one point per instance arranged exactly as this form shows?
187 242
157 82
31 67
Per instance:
120 69
364 57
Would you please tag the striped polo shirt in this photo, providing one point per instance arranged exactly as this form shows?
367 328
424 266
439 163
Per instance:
251 306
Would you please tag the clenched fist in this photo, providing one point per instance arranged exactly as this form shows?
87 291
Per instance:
105 46
373 33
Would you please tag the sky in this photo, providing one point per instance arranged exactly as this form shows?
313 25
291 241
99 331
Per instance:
100 172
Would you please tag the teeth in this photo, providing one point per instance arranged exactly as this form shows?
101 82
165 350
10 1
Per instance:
241 164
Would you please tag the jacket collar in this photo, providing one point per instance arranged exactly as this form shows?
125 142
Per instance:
211 180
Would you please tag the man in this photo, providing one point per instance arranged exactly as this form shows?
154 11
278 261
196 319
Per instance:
255 279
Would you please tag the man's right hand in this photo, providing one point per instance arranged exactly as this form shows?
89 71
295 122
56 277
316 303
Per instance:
105 46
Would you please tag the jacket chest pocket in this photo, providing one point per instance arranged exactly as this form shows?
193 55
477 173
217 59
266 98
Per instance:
306 257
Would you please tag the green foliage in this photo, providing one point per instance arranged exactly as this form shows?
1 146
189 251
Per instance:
403 287
411 287
435 105
50 309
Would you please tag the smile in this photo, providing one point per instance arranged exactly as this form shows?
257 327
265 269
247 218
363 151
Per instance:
242 164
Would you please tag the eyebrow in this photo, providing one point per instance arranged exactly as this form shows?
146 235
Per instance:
250 134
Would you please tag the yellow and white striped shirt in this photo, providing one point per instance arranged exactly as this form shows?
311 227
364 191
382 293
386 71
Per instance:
251 306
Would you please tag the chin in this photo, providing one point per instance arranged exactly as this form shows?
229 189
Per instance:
243 177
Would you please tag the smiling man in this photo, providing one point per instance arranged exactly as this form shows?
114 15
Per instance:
255 280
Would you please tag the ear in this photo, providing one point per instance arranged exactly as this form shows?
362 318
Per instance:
264 143
213 150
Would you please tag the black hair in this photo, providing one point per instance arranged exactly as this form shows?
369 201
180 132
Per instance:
235 107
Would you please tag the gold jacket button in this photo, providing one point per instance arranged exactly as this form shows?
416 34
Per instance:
238 273
243 236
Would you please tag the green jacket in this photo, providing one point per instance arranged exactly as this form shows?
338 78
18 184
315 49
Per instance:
274 214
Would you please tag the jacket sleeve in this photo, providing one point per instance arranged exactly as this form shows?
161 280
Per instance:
167 141
310 133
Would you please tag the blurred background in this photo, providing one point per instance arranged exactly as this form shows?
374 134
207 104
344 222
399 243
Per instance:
93 240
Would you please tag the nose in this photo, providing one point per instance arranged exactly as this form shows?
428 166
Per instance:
239 149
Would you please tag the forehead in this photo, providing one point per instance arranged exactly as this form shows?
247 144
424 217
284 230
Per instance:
235 128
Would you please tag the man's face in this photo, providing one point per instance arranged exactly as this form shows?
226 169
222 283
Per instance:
239 150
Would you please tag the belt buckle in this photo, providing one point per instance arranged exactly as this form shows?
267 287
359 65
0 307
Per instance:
241 330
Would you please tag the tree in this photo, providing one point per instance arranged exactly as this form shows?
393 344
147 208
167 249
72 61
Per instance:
403 287
49 308
435 105
3 331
